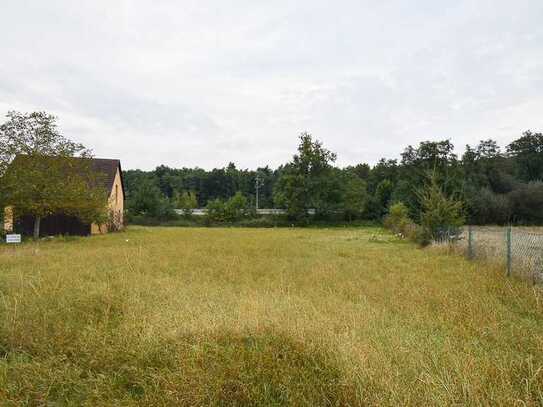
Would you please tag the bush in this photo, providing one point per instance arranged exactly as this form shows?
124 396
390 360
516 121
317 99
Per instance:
486 207
235 208
216 211
232 210
418 234
187 202
440 214
398 219
148 201
527 203
399 222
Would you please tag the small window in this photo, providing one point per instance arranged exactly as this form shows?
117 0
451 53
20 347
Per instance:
116 194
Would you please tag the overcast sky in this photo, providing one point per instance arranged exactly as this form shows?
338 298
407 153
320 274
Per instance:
202 83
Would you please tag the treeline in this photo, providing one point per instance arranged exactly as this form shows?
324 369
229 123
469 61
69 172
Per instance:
494 185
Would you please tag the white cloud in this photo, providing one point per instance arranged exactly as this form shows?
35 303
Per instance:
203 83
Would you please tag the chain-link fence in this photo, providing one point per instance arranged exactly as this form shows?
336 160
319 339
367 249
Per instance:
518 249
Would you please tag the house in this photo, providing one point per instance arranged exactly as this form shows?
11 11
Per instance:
111 179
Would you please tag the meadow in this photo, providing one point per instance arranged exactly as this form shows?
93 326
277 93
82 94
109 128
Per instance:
196 316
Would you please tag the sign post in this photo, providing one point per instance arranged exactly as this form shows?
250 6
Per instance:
13 239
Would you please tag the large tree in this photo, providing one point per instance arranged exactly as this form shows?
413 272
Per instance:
307 182
527 152
43 173
355 195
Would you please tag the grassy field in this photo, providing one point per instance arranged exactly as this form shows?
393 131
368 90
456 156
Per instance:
188 316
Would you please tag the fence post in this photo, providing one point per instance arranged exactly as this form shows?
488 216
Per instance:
470 243
509 250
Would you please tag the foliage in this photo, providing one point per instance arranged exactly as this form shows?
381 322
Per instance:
380 200
485 179
235 208
146 200
397 219
527 203
440 214
486 207
216 210
32 134
232 210
527 152
355 196
187 202
307 182
44 173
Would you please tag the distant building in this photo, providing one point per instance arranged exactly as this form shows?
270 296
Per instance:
61 224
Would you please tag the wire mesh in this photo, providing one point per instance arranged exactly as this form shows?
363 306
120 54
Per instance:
527 254
518 249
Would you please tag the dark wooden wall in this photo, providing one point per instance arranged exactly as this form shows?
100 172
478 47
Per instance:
53 225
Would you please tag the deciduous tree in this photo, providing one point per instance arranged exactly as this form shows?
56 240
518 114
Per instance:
305 182
43 173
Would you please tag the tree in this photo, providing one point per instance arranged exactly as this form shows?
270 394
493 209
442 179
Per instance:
436 157
305 182
360 170
355 196
235 208
380 200
215 210
148 200
440 213
486 207
44 173
187 202
527 203
527 152
486 167
397 219
232 210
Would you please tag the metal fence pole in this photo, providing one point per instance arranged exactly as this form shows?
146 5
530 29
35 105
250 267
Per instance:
509 250
470 243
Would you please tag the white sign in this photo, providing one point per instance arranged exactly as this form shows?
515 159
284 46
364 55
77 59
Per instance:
13 238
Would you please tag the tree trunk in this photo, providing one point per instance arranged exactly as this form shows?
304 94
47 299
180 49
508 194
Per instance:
37 222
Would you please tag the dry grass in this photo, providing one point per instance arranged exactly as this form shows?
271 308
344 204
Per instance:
157 316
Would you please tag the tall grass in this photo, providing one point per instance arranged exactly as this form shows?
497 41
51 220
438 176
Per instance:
194 316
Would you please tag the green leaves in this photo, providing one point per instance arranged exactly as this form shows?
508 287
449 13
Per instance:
439 212
44 173
307 182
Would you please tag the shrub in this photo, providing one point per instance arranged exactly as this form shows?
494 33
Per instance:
187 202
216 211
487 207
397 219
148 201
417 234
232 210
235 208
440 214
527 203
